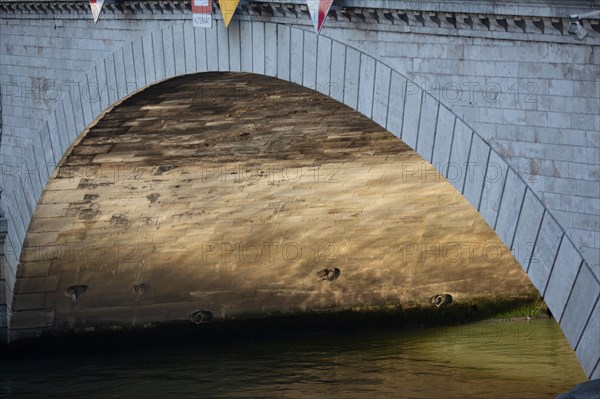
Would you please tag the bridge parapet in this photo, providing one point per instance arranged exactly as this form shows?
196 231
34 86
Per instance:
499 20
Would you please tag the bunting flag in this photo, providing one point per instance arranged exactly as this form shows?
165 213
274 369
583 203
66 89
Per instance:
96 6
228 8
202 11
318 12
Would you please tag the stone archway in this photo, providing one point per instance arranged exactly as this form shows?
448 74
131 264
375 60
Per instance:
498 192
234 195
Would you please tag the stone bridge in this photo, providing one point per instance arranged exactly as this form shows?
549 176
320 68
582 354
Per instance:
501 99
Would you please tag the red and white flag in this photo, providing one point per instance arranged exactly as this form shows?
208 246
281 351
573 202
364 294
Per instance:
318 12
202 11
96 6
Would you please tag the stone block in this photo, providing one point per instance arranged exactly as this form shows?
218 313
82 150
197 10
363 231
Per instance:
561 278
4 315
412 114
202 58
495 180
512 198
33 269
528 226
324 49
309 74
94 95
32 319
560 88
4 292
476 170
36 284
111 78
168 44
545 252
596 373
383 75
583 121
15 335
67 111
457 169
593 254
427 127
28 302
47 141
16 229
270 48
211 46
58 123
588 349
485 68
338 66
296 55
506 69
23 208
584 89
366 85
189 50
12 249
443 140
178 54
584 295
351 77
395 112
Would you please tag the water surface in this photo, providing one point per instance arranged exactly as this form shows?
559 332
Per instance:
519 359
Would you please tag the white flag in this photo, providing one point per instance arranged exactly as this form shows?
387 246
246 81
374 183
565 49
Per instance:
202 13
96 6
318 12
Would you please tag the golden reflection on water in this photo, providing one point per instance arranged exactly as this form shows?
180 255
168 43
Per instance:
519 359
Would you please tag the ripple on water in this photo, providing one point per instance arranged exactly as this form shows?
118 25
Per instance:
520 359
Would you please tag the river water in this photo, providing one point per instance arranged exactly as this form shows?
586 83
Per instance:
517 359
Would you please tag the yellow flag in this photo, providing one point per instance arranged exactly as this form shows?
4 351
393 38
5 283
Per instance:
228 8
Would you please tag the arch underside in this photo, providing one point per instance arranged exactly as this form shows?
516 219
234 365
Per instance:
243 195
556 268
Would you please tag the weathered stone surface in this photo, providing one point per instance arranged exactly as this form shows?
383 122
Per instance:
4 311
459 156
223 192
578 311
23 333
586 390
32 268
443 140
427 127
588 350
562 278
412 115
495 182
528 226
36 284
545 252
4 293
476 171
28 302
31 319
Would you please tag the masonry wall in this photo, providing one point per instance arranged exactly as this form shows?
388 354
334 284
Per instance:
537 116
535 99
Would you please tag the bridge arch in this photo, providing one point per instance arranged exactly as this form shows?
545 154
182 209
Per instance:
496 190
